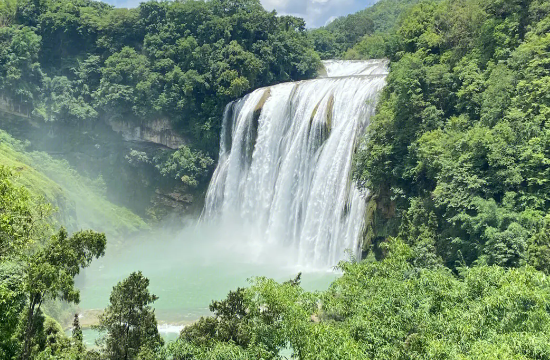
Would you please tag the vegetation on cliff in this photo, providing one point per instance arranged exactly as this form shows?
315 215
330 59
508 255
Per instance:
74 62
351 37
80 202
38 262
75 66
459 146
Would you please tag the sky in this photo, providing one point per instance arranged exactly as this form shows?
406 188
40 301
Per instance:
315 12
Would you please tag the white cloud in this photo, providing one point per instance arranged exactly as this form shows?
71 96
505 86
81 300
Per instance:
317 12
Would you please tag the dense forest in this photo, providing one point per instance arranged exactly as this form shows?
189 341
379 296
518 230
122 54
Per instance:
348 37
74 66
73 62
456 160
458 154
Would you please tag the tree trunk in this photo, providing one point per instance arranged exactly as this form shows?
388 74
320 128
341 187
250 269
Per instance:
26 353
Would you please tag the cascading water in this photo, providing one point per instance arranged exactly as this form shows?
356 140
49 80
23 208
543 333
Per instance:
284 171
341 68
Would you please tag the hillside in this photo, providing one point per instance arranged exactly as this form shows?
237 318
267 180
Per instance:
336 39
458 155
453 172
81 202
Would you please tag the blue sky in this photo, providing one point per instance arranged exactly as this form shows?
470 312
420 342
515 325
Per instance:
315 12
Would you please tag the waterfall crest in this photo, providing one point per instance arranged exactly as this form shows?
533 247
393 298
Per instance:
284 170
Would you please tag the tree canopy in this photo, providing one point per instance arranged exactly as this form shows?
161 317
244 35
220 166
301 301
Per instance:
130 321
36 264
79 61
456 161
459 147
357 36
388 309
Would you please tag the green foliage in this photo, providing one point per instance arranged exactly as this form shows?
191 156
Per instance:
69 30
231 322
20 72
36 265
12 303
22 221
82 202
73 67
179 60
394 310
60 103
457 159
538 250
127 84
460 136
366 34
390 309
50 273
130 321
7 12
186 165
181 350
77 336
251 323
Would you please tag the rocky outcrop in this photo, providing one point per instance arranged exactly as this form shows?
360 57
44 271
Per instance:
322 71
174 199
8 106
158 132
381 222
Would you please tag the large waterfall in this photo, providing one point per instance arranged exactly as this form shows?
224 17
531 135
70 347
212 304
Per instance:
284 171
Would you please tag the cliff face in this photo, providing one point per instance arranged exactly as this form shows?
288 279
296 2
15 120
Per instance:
9 107
166 197
100 149
158 132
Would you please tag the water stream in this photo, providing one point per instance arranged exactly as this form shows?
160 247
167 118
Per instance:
285 163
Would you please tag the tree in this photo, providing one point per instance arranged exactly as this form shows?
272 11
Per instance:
461 129
231 322
49 274
78 338
7 12
539 247
20 72
35 265
59 103
12 303
128 86
22 220
129 320
186 165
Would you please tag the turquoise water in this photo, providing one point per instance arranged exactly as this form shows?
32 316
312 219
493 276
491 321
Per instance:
90 337
188 269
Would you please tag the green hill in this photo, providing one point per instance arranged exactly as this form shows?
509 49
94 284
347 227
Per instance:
81 202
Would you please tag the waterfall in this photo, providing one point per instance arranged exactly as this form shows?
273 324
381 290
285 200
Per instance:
285 161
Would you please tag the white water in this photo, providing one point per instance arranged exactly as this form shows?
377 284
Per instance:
284 171
338 68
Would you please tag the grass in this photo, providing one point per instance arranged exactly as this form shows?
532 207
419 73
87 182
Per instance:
81 201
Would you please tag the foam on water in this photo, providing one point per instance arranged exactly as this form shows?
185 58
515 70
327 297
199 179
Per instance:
340 68
170 329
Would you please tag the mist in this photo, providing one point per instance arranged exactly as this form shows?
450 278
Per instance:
191 266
